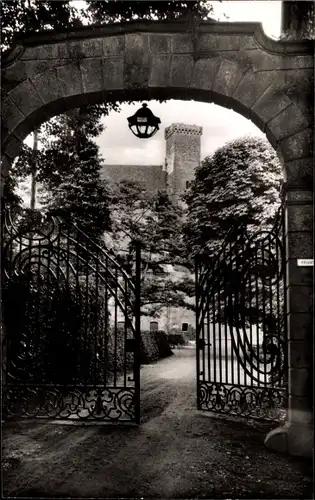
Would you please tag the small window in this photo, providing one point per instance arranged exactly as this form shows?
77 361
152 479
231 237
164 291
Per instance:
154 326
184 327
187 184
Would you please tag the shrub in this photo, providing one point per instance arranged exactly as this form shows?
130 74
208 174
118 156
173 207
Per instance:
175 339
154 346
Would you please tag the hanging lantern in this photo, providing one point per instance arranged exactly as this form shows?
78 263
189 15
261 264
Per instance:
143 123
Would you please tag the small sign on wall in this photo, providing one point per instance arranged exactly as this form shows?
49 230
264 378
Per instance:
305 262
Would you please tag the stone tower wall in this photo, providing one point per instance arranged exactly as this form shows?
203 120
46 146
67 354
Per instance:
183 143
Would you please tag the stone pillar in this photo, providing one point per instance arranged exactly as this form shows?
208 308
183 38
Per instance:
296 437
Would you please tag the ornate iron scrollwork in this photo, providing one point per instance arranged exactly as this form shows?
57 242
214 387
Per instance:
241 312
66 356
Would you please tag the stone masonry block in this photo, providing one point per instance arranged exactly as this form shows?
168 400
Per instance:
252 86
15 73
4 133
301 195
298 146
5 167
248 42
114 45
92 75
227 78
204 72
270 103
300 325
11 116
299 218
159 43
48 86
26 98
113 73
300 245
299 354
136 69
299 172
70 79
207 42
299 381
265 61
12 146
182 43
228 42
159 70
299 275
181 70
48 51
299 410
289 121
300 298
92 47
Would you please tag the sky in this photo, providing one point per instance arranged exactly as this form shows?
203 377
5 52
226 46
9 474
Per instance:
219 124
119 146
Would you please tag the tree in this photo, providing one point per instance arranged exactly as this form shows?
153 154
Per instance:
156 222
297 21
123 11
35 15
238 185
69 170
31 16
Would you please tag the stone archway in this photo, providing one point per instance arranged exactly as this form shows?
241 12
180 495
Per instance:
234 65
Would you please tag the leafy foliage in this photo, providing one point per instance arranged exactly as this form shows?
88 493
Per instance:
156 222
35 15
238 185
123 11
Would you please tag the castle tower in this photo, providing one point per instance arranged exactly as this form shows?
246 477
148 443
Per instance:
182 156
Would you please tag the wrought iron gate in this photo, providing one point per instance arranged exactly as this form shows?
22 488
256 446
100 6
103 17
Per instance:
241 333
71 316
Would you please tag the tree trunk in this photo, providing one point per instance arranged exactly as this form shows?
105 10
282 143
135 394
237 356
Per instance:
297 20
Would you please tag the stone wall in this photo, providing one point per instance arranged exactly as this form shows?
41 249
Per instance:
151 176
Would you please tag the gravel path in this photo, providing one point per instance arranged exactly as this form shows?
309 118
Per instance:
176 452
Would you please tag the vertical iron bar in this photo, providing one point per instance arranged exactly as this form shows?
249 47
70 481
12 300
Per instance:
219 322
125 330
227 381
256 250
208 375
197 298
137 332
95 317
232 297
285 298
115 326
214 292
107 333
264 306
